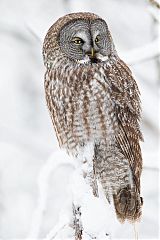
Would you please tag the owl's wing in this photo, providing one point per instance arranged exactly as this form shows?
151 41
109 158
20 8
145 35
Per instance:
128 142
125 94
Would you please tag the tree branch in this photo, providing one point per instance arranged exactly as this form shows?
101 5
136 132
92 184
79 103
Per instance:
85 216
58 159
155 3
141 54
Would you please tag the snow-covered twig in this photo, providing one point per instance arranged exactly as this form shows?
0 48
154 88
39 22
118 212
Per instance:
155 3
155 13
63 222
33 33
141 54
56 160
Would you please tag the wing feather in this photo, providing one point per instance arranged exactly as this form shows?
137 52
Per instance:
125 94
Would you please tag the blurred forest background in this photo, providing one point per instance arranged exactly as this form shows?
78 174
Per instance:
27 139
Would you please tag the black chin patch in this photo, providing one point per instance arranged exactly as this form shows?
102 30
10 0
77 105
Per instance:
94 60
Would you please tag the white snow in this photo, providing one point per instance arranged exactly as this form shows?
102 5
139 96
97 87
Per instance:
31 192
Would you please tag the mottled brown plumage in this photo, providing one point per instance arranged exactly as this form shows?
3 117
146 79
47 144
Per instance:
94 98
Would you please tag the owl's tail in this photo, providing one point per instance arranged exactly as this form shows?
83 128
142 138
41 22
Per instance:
128 204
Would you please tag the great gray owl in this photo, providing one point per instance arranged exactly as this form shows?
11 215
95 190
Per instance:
93 97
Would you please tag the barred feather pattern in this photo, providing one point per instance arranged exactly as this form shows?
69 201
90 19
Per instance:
98 103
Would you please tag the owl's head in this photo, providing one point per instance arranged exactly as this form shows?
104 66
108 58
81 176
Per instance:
80 37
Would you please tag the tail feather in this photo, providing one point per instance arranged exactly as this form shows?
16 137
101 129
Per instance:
128 204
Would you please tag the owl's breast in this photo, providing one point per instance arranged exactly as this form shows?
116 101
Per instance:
82 107
88 110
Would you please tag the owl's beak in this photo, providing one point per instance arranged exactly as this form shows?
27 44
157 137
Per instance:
91 53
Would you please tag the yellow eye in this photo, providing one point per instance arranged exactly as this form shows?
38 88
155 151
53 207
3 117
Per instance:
97 39
77 41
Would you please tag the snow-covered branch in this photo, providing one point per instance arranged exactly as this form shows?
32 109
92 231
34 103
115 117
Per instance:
58 159
155 3
141 54
83 215
91 215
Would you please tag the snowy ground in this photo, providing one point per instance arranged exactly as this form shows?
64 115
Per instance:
27 139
